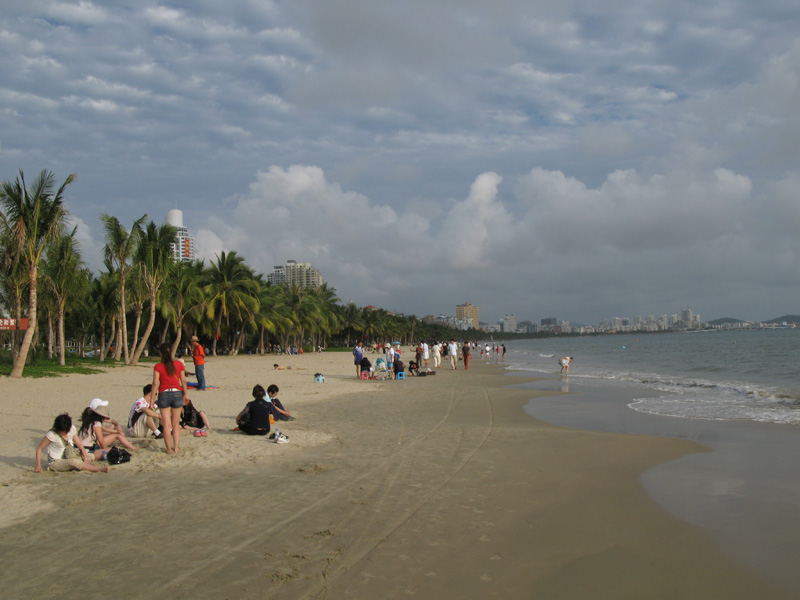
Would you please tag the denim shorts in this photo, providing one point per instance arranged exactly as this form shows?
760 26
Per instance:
170 400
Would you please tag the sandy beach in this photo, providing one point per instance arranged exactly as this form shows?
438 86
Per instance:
435 487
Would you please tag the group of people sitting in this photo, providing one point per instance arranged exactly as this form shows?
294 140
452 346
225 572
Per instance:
164 410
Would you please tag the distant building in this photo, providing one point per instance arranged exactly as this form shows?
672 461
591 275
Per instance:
509 324
293 272
468 313
183 246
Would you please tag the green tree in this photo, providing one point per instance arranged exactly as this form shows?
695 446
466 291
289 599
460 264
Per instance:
231 289
120 246
63 276
183 294
154 260
33 217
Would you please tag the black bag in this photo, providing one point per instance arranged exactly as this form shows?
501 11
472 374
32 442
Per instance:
117 456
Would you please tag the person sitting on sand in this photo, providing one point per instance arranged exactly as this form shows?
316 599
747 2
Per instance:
94 435
143 416
278 412
413 367
254 418
278 367
193 419
65 452
398 367
366 367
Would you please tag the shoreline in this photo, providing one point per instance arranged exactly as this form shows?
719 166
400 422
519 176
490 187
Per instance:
438 486
742 491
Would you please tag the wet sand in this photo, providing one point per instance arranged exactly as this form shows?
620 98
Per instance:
431 487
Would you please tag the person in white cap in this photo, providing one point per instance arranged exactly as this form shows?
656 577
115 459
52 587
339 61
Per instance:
95 433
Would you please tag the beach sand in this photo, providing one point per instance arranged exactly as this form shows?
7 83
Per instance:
435 487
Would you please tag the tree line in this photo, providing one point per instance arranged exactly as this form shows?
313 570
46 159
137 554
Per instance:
142 296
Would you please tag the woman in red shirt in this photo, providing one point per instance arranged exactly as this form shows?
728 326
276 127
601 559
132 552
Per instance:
169 378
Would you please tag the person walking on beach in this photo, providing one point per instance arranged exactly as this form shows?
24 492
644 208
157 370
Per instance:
169 378
504 353
199 358
358 356
437 355
466 353
452 354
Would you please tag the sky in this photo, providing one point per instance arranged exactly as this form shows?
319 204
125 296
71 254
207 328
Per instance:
571 159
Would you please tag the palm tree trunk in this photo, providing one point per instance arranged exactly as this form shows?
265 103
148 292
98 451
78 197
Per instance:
50 336
216 337
139 309
27 339
123 323
146 335
61 350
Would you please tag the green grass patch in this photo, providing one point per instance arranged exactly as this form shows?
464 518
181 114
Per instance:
47 367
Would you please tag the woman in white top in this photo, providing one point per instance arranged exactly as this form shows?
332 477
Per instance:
56 441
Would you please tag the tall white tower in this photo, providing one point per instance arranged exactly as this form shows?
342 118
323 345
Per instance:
183 246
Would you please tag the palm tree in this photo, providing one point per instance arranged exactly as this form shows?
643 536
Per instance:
33 217
62 274
154 259
13 280
120 245
105 303
183 294
352 320
231 289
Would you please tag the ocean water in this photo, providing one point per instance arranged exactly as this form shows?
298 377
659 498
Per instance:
721 375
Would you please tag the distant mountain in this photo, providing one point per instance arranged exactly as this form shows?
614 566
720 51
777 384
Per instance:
725 321
785 319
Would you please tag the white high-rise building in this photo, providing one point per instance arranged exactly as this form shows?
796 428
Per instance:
294 272
183 246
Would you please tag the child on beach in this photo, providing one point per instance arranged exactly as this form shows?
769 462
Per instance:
94 434
279 413
143 416
65 452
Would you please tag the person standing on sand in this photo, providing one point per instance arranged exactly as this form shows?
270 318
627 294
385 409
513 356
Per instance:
504 353
169 378
426 353
358 356
199 358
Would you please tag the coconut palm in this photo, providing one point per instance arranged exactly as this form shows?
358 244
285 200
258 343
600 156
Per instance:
120 245
62 275
183 294
352 321
105 303
33 217
154 260
13 281
231 290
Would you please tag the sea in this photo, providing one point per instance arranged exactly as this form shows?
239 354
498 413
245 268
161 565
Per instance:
737 393
748 374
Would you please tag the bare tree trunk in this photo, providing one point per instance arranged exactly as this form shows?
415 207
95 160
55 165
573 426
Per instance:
50 335
27 339
61 350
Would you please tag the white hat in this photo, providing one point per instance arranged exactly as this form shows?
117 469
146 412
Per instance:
94 404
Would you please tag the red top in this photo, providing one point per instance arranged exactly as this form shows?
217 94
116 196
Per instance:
199 355
166 381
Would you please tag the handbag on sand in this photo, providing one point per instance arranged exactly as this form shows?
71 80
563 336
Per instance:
117 456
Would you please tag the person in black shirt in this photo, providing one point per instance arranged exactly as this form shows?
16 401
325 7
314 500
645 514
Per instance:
254 418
